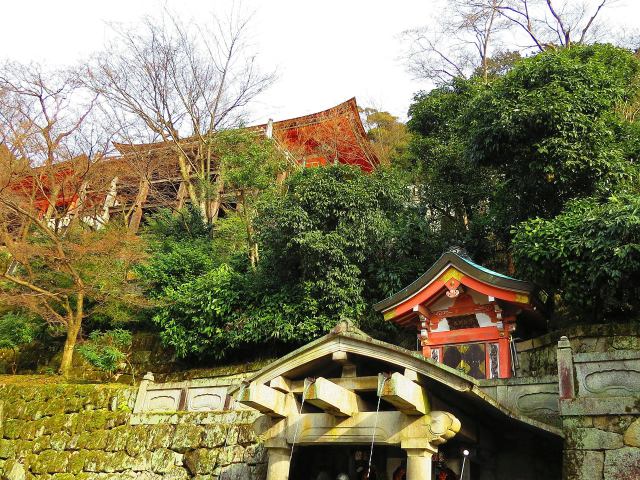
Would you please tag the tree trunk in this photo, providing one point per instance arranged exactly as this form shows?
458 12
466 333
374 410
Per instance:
141 199
70 343
251 243
213 206
185 173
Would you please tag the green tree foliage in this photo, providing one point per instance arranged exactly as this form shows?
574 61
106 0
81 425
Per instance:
180 250
339 240
589 255
550 141
108 351
248 164
336 241
389 137
452 188
187 278
18 329
550 128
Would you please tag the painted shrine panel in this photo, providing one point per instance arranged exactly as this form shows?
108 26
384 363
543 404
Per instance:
468 358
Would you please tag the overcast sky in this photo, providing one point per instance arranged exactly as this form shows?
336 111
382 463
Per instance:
324 51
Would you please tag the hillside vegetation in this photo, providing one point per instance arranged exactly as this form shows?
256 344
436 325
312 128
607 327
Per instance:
533 170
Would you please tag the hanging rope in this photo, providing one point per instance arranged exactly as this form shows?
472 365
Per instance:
385 377
310 382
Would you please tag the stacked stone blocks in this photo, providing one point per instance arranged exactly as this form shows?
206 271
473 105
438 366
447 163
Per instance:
67 432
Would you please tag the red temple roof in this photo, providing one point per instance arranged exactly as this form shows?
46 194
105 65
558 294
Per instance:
402 307
335 135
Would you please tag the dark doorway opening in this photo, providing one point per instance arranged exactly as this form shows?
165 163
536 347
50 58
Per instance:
326 462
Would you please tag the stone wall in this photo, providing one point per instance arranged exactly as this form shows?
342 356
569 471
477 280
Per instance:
600 411
66 432
537 356
602 447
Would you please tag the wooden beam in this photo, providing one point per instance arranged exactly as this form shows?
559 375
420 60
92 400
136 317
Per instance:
141 199
411 375
340 357
355 384
349 369
331 397
403 393
281 384
422 311
264 399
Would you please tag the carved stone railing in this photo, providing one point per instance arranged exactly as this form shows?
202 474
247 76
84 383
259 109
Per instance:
533 397
598 383
200 395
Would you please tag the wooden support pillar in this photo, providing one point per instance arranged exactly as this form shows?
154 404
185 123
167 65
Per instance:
505 357
349 369
181 196
141 199
109 202
418 463
279 463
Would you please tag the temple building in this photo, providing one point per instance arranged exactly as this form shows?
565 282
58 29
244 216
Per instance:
143 178
347 403
460 407
466 315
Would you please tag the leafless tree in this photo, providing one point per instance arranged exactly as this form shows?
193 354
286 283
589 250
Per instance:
52 197
462 40
549 23
182 84
468 33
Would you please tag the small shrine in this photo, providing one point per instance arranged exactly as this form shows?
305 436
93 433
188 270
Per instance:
465 314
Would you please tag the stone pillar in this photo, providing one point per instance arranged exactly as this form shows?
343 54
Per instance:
418 463
142 392
565 369
279 463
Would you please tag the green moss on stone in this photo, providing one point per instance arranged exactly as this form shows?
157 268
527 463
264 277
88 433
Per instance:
12 428
216 435
55 424
137 440
42 443
59 441
201 461
50 461
97 440
592 439
246 434
76 461
118 438
7 448
159 436
186 437
163 460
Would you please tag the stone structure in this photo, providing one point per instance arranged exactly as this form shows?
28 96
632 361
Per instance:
600 408
329 393
581 424
66 432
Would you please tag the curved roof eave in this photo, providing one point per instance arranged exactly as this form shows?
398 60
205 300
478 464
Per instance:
356 342
467 267
349 106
